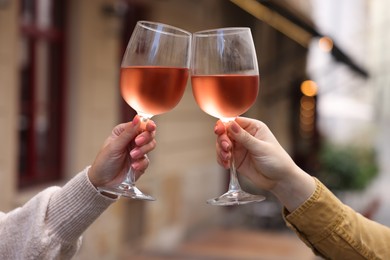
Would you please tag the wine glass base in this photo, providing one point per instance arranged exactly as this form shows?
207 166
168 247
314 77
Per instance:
128 191
239 197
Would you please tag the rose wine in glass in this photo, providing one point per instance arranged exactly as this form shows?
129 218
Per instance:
225 83
153 77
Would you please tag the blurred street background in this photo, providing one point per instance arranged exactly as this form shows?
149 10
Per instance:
324 92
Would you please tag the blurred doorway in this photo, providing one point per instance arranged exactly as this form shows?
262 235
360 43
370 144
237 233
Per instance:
42 91
133 12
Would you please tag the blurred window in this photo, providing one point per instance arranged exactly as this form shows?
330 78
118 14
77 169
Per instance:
131 12
42 87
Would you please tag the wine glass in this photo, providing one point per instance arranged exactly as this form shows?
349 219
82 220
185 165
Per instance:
153 77
225 84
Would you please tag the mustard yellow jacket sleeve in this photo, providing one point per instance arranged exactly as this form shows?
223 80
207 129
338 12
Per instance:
335 231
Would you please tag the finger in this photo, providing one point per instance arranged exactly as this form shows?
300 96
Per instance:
127 134
245 122
225 143
118 129
223 156
257 129
241 136
222 153
219 128
224 163
144 138
140 151
140 166
150 126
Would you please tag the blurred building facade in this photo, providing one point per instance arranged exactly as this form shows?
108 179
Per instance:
379 63
353 108
91 35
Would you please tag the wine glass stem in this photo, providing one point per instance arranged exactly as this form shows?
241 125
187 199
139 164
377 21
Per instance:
130 177
234 185
129 180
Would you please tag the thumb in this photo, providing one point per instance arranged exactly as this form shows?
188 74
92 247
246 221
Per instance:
129 132
241 136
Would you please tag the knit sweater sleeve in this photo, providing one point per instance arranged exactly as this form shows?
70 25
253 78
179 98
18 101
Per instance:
50 225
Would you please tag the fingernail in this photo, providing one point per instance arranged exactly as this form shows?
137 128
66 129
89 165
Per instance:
135 153
135 165
152 125
139 140
234 127
226 157
135 120
225 145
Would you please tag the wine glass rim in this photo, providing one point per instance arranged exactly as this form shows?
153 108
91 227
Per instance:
147 25
225 30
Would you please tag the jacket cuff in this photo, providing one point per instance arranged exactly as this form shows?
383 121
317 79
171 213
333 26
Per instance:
316 218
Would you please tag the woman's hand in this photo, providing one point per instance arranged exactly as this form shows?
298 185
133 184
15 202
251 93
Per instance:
126 147
260 157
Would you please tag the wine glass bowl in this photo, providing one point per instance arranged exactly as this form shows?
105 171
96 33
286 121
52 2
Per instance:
227 95
152 90
155 68
153 77
225 84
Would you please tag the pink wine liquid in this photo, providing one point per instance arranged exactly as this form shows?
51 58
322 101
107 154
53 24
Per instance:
153 90
225 96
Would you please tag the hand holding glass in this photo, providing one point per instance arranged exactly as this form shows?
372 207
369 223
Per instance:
225 84
154 73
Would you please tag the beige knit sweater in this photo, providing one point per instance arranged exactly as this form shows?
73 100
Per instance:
50 225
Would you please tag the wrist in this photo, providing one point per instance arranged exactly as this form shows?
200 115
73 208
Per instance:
91 178
90 175
295 188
